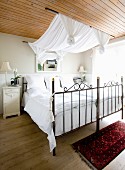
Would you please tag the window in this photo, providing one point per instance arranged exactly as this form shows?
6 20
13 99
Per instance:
110 64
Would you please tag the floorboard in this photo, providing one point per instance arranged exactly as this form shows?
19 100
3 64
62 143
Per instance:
23 146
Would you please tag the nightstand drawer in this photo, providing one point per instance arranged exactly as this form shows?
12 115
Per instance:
11 97
11 90
11 101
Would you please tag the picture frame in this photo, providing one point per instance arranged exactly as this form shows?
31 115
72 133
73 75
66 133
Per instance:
48 66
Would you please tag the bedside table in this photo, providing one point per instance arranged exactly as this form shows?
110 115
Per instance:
11 101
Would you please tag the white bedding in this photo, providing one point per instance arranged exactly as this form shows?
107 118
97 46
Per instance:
39 108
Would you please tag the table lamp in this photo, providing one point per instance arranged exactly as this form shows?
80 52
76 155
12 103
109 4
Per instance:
82 72
5 68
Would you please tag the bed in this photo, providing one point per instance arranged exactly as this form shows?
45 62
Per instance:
60 110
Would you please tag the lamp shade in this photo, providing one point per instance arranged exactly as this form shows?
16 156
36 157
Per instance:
5 67
81 70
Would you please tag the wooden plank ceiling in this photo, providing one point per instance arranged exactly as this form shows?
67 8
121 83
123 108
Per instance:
28 18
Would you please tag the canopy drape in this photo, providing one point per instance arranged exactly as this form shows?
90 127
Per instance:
67 35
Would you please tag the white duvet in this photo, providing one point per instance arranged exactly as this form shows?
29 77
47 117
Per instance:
38 106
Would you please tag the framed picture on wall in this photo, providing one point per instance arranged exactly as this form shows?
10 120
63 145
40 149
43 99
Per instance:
48 66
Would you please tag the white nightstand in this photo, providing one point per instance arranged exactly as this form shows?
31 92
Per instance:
11 101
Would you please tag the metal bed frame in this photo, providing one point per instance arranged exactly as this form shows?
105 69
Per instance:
82 86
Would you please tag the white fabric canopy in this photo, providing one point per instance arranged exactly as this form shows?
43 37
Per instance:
67 35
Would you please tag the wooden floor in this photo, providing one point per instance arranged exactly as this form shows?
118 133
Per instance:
23 146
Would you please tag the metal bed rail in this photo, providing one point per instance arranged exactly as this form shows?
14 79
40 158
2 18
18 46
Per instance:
113 97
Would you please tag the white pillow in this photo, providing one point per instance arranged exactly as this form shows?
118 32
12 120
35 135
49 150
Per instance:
35 81
57 84
48 81
67 82
37 91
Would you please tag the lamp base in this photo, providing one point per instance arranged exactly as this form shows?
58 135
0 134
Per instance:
6 79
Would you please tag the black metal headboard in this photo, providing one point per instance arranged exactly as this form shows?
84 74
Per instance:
24 85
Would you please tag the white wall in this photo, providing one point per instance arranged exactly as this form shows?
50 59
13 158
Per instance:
21 56
71 63
87 63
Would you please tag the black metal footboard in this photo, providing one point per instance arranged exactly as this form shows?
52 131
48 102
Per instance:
89 103
112 102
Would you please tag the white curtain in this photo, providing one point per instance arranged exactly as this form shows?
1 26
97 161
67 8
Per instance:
103 40
67 35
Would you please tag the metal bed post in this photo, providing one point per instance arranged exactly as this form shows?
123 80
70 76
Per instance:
122 95
53 110
98 104
22 86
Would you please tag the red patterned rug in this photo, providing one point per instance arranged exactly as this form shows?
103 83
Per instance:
100 148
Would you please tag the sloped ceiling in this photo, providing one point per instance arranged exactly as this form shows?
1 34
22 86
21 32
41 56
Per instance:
29 18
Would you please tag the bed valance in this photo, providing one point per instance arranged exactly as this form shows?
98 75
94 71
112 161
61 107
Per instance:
67 35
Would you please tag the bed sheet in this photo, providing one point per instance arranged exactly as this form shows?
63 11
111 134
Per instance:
87 114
